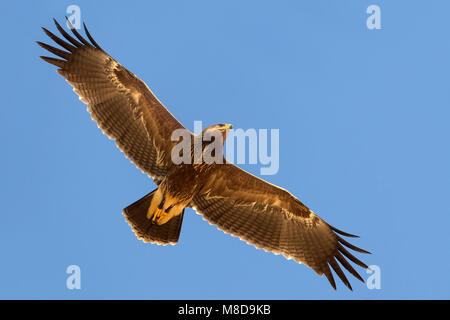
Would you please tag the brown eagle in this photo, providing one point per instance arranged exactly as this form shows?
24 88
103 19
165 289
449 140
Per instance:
237 202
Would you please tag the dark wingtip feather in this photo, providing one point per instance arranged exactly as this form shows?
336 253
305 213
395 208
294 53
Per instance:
329 275
75 32
351 257
90 37
56 51
66 35
349 245
348 266
340 273
56 62
342 232
59 41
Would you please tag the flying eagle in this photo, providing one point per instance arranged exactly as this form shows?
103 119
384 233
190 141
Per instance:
237 202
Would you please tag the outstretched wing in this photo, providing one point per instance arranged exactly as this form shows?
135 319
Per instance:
122 105
272 219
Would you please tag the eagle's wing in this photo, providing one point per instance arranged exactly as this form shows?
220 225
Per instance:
122 105
271 218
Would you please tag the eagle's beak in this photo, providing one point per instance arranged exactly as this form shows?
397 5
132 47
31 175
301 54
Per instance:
227 127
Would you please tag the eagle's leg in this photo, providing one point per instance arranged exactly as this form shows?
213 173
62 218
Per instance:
158 215
162 216
163 207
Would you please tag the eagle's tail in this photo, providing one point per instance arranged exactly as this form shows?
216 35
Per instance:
136 216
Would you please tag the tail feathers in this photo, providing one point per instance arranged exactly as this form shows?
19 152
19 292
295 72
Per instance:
136 216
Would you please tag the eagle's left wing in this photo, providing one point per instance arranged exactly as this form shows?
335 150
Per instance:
123 106
272 219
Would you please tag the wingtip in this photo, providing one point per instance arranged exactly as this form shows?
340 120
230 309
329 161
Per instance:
94 43
40 44
343 233
56 22
365 251
71 27
329 275
56 62
348 285
351 246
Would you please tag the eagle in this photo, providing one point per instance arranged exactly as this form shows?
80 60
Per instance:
237 202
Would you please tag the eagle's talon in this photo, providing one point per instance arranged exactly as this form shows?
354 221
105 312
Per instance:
158 216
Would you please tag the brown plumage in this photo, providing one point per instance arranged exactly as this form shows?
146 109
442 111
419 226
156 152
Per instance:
237 202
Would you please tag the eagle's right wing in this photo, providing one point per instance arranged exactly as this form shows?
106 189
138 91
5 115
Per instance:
271 218
122 105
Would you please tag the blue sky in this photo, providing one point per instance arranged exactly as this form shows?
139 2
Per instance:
364 135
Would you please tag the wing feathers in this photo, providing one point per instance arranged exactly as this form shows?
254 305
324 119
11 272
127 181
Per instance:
260 214
351 257
66 35
329 275
90 37
339 272
75 32
56 51
348 266
121 104
342 232
355 248
59 41
57 62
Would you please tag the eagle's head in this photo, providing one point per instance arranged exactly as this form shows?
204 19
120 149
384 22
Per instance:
216 131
